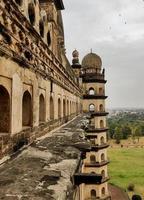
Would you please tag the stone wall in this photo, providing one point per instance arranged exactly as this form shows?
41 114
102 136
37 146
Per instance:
38 88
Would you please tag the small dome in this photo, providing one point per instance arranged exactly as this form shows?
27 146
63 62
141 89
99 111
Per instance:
92 60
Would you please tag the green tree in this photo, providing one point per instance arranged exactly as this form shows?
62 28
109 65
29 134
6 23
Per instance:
138 133
133 132
142 129
111 129
126 131
118 135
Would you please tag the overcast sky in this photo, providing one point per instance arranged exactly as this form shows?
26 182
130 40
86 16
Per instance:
114 29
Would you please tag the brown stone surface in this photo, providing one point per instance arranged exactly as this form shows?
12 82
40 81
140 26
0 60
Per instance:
117 193
43 170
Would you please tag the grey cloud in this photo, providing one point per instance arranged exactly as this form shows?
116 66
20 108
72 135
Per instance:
101 25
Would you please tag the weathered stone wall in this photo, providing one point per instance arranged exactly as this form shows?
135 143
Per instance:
34 72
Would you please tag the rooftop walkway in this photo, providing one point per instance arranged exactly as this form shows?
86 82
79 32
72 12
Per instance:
43 170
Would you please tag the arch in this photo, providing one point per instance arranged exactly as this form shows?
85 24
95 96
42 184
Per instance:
4 110
101 91
101 124
93 141
102 140
70 108
91 108
67 107
91 91
59 108
41 28
31 13
26 109
103 174
64 108
51 109
92 159
93 194
48 38
101 108
103 191
102 157
77 108
19 2
74 107
41 108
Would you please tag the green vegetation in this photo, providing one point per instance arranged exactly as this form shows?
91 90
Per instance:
127 168
118 135
124 125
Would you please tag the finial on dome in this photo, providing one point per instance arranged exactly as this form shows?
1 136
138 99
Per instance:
75 54
91 50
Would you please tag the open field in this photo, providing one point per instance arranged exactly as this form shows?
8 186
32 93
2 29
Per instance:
127 166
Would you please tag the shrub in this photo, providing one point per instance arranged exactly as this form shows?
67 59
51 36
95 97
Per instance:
131 187
136 197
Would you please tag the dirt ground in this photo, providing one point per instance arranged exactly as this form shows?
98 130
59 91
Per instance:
117 193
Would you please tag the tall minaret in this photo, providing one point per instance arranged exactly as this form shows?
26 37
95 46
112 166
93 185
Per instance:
94 164
76 65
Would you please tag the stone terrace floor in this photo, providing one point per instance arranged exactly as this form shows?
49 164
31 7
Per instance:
43 170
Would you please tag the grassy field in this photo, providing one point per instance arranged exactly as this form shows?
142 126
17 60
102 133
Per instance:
127 166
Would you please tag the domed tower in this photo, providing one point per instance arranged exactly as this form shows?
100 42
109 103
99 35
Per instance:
76 65
75 62
94 164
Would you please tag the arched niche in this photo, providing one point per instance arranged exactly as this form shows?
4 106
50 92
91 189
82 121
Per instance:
101 124
101 92
41 28
4 110
41 108
93 194
31 13
49 38
26 109
91 91
64 108
59 108
102 140
67 107
103 191
19 2
92 159
51 109
91 108
103 174
101 108
102 157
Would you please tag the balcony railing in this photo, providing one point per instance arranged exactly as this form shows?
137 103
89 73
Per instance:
99 113
92 129
96 164
92 74
97 147
99 198
87 178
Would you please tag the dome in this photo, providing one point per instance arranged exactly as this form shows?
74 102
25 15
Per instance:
92 60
